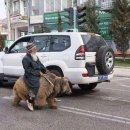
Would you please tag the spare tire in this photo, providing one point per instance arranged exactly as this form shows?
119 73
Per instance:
105 60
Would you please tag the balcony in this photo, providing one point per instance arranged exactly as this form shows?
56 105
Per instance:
107 6
15 13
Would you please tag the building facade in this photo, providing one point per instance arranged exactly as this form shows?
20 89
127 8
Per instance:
16 19
107 4
51 8
28 15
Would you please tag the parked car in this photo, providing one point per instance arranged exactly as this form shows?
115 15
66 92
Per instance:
85 58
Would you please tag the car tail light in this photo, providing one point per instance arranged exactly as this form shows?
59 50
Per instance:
84 75
80 53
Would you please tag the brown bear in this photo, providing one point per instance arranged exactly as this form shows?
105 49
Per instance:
50 86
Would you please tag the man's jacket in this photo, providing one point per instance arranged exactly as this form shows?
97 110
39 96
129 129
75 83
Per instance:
32 72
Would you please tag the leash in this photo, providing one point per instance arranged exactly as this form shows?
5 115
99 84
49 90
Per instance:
47 80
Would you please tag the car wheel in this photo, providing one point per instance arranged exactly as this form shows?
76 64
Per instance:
1 83
88 87
57 72
105 60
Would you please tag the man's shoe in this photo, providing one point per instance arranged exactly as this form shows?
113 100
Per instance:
30 106
57 100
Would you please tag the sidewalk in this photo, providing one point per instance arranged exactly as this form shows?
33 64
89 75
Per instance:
122 71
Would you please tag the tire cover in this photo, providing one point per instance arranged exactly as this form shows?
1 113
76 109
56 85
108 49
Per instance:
101 60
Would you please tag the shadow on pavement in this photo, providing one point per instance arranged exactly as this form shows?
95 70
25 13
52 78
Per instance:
77 92
8 85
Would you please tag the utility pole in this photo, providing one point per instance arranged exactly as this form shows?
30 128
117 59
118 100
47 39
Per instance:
8 18
29 13
75 14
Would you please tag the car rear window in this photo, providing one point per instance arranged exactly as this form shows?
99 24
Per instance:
93 42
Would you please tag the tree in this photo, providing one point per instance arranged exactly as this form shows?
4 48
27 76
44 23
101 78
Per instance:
2 42
120 26
43 28
59 24
91 24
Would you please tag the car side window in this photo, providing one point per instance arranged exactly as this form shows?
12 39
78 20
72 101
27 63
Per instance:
20 45
42 43
59 43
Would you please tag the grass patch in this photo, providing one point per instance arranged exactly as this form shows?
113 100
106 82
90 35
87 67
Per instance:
120 62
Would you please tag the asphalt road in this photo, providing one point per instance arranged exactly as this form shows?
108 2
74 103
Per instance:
105 108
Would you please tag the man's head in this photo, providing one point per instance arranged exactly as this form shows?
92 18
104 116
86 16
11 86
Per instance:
31 48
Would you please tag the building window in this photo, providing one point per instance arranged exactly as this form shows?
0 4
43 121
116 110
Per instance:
49 4
25 5
57 5
69 3
78 2
35 12
35 7
35 3
16 7
64 4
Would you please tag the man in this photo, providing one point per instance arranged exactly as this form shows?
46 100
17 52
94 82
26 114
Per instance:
33 68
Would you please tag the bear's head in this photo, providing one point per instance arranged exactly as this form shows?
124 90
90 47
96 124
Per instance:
62 86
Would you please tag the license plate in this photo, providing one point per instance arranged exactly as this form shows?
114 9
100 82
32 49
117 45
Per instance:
102 77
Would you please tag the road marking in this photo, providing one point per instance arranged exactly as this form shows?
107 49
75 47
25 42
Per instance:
109 98
103 97
127 86
96 115
91 113
8 97
115 89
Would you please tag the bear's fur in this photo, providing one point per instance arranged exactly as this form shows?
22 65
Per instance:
46 93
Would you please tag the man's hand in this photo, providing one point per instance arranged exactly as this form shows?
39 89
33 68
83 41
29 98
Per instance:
47 71
41 74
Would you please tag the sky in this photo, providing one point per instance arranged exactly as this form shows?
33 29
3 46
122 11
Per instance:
2 10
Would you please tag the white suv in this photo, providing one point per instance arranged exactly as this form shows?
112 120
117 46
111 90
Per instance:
84 58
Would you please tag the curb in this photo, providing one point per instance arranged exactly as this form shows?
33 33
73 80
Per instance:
122 67
126 76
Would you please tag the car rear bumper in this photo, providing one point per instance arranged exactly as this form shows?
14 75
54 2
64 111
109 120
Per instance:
76 77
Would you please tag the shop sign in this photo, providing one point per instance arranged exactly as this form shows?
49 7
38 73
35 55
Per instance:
104 26
51 20
16 19
53 17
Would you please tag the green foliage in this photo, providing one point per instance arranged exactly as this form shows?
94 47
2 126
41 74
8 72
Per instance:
59 24
120 26
1 41
43 28
91 24
121 62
